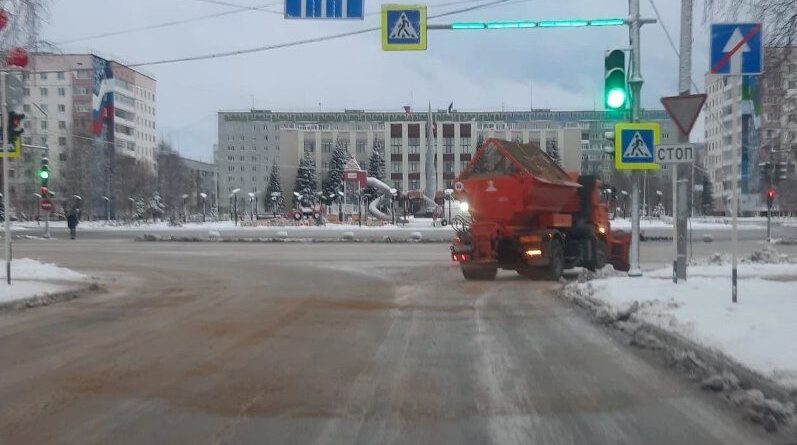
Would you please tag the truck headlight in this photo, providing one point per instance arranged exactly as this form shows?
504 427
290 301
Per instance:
464 206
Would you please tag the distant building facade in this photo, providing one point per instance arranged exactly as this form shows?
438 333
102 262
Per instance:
250 141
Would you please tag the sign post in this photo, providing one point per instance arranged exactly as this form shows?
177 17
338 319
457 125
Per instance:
634 148
683 110
736 50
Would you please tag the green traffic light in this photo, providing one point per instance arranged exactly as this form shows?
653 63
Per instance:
44 175
615 98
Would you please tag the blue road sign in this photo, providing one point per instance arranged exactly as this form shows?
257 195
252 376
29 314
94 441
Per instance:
324 9
403 27
635 145
736 48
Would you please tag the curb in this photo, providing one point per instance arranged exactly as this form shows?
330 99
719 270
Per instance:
383 240
760 400
48 299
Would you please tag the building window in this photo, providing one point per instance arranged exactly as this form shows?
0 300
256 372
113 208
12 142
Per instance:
61 125
44 125
44 107
309 146
326 146
62 108
43 75
43 140
360 146
448 166
62 156
463 165
60 75
43 91
395 145
464 145
414 145
415 184
62 141
414 166
25 75
448 145
396 167
26 91
62 91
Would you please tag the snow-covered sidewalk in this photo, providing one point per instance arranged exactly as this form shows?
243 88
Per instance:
757 332
31 278
701 223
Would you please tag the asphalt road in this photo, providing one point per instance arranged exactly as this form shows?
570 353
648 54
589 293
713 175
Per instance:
328 343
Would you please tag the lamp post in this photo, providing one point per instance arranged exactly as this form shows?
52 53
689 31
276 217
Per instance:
275 196
185 210
132 203
341 195
234 198
107 207
625 201
449 198
204 197
38 208
659 195
252 197
78 200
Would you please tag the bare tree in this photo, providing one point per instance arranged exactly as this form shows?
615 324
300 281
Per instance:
778 16
174 179
132 179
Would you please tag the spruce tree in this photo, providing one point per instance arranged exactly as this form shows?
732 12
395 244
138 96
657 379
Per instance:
334 179
274 186
306 180
376 168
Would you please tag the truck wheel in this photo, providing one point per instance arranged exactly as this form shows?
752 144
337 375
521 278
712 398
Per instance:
557 257
600 256
481 273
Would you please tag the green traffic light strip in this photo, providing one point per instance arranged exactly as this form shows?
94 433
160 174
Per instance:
540 24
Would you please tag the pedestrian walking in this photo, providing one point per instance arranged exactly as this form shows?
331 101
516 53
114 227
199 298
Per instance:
71 222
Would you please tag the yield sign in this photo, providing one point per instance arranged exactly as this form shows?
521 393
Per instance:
684 110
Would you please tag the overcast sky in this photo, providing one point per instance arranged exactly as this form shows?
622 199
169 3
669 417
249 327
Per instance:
474 69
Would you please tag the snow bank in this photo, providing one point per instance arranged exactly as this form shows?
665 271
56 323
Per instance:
757 332
696 224
31 278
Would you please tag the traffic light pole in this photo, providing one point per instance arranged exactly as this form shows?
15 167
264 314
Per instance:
6 196
635 82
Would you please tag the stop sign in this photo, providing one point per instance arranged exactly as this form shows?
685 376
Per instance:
46 205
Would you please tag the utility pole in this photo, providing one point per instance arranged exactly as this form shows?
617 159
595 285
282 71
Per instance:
635 82
679 206
6 195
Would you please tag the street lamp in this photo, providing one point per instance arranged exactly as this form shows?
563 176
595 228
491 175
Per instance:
234 198
185 213
275 196
341 195
107 207
251 205
132 203
78 199
449 197
204 197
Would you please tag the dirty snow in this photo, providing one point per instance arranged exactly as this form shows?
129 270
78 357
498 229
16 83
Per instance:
696 223
758 331
30 278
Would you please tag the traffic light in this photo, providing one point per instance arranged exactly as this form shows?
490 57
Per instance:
44 173
15 129
615 92
770 197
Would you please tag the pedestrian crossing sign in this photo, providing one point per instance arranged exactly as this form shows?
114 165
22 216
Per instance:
403 27
635 144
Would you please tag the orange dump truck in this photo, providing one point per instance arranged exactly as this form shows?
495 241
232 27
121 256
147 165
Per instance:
529 215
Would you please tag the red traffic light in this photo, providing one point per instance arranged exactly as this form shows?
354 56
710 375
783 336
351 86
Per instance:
17 57
771 195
